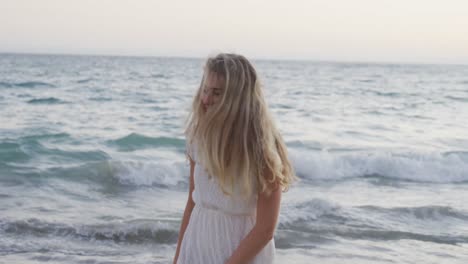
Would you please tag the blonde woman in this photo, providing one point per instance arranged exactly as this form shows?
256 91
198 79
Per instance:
238 169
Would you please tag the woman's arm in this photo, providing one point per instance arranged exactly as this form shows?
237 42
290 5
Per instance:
263 230
187 212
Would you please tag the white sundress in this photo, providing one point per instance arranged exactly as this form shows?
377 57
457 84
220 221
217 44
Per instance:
218 223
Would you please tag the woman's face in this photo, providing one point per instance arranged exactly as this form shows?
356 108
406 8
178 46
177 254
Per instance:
212 91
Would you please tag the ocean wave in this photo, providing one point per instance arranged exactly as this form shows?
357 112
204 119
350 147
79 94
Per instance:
110 173
29 147
27 84
6 85
22 149
387 94
304 212
286 239
319 210
421 213
135 141
457 98
100 98
47 136
158 76
366 80
450 167
321 221
48 100
163 173
388 235
12 152
131 232
377 168
85 80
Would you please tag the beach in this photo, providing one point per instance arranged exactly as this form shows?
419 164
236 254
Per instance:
93 170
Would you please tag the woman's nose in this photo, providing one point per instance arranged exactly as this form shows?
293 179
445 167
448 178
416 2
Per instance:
207 99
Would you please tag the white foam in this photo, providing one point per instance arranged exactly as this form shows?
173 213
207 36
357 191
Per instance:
421 167
162 172
318 165
305 211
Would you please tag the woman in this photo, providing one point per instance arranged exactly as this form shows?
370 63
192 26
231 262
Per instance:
238 169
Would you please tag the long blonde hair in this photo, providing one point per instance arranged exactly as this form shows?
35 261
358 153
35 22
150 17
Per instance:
237 141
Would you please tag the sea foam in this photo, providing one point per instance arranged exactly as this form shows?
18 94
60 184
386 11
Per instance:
433 167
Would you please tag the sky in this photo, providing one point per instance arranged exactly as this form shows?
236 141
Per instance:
424 31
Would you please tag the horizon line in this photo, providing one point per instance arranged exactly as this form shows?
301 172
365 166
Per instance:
374 62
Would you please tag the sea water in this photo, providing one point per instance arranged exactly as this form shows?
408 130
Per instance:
92 164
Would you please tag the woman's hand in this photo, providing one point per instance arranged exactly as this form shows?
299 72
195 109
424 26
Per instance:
268 207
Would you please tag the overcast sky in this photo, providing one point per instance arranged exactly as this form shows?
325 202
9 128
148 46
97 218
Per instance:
429 31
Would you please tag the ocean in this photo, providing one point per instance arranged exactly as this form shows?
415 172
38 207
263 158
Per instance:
92 164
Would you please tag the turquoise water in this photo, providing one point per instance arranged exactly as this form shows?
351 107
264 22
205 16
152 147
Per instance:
92 165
